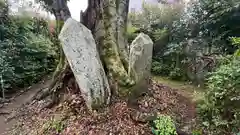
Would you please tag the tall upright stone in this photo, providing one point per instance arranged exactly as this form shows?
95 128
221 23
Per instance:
140 59
80 49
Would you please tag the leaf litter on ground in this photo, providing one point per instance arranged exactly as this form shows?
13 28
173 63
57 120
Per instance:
115 120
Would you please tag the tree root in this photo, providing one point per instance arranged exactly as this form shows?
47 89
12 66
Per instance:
4 113
17 113
51 95
2 101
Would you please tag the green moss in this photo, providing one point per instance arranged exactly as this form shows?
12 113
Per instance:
113 58
124 60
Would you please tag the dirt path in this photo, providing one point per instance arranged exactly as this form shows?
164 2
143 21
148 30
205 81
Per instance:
16 103
187 90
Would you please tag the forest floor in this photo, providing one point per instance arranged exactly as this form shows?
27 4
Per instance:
72 118
14 103
185 88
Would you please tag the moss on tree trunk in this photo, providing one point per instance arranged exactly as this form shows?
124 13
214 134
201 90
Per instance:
108 18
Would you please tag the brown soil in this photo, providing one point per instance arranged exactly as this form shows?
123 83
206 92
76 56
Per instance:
114 120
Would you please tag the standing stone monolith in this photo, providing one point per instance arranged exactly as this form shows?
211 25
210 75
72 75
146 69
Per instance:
140 61
80 49
140 58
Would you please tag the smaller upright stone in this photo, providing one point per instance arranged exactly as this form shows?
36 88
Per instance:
140 59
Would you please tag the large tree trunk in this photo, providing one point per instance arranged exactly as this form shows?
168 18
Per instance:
108 20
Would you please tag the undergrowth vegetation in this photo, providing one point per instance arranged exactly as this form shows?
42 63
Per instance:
26 51
220 110
164 125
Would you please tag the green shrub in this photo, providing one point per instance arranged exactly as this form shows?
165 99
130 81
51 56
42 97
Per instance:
176 74
164 125
220 111
160 68
224 60
26 52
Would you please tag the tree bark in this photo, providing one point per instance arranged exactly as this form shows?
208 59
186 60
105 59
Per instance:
108 20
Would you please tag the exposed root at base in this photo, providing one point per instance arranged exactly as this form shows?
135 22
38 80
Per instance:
59 83
50 96
4 113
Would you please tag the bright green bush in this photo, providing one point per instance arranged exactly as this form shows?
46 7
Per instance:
164 125
26 52
220 111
